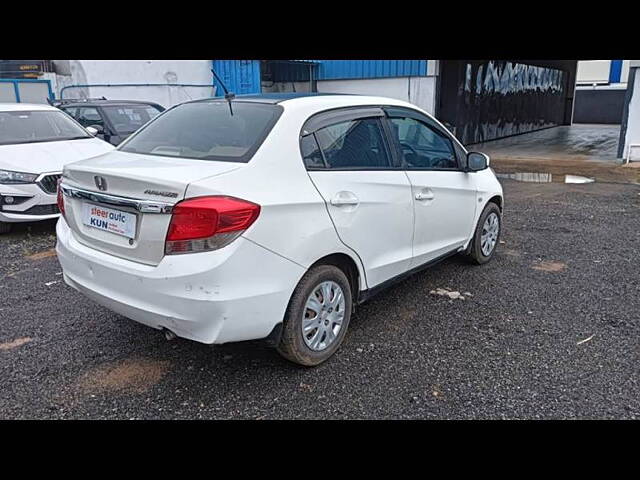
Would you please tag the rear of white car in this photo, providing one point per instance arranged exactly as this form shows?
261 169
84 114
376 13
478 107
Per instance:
185 267
36 141
207 223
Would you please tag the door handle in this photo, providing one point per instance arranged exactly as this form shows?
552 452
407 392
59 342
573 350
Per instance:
344 198
425 195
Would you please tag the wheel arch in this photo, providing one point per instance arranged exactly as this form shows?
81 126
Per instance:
350 268
497 199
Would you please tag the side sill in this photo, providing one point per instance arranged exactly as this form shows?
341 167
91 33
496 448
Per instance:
367 294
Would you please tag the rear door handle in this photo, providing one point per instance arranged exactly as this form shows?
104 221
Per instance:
425 195
344 198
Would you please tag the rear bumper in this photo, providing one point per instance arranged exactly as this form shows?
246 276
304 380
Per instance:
237 293
32 204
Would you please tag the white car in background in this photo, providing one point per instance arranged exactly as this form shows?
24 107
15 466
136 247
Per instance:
272 216
36 141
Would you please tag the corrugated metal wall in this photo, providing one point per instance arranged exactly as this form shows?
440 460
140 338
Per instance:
489 99
243 76
345 69
239 76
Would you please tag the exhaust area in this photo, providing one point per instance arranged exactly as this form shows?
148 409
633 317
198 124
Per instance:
168 334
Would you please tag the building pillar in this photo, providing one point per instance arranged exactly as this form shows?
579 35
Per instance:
629 144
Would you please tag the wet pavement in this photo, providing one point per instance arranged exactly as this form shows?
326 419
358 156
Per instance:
577 142
537 177
548 329
561 154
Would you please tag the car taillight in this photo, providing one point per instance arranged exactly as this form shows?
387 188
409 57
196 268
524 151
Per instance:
208 223
60 198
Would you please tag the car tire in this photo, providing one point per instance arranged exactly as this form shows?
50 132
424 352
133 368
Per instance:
490 220
5 227
308 348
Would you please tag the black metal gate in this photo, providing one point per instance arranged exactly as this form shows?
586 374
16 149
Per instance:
488 99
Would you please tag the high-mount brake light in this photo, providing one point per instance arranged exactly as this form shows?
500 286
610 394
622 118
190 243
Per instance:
208 223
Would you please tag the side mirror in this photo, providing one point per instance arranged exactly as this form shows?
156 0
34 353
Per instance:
477 161
95 129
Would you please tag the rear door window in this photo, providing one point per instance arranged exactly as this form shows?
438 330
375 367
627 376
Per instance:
352 144
311 152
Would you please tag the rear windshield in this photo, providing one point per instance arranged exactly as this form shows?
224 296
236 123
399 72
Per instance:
129 118
207 131
38 126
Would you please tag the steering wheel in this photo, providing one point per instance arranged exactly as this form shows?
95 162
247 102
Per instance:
442 162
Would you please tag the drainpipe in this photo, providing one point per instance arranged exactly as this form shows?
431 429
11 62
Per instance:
134 85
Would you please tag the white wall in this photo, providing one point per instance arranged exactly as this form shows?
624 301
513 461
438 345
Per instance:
593 71
632 136
138 71
7 93
597 71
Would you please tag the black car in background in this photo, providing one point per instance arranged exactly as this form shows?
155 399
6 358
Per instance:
114 120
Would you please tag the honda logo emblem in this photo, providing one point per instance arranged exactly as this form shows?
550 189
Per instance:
101 183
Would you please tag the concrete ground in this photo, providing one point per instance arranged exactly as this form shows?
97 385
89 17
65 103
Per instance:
588 150
549 329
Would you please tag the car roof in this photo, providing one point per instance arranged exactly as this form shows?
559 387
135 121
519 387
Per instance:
310 103
271 98
308 98
275 98
22 107
80 102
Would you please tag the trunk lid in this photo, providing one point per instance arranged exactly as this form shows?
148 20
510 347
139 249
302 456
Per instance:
127 178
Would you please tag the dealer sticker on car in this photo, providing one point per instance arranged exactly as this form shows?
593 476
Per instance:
109 220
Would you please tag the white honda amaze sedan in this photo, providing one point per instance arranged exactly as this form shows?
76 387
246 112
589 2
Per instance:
36 141
272 216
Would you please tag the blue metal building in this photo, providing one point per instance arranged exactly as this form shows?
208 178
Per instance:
244 76
349 69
